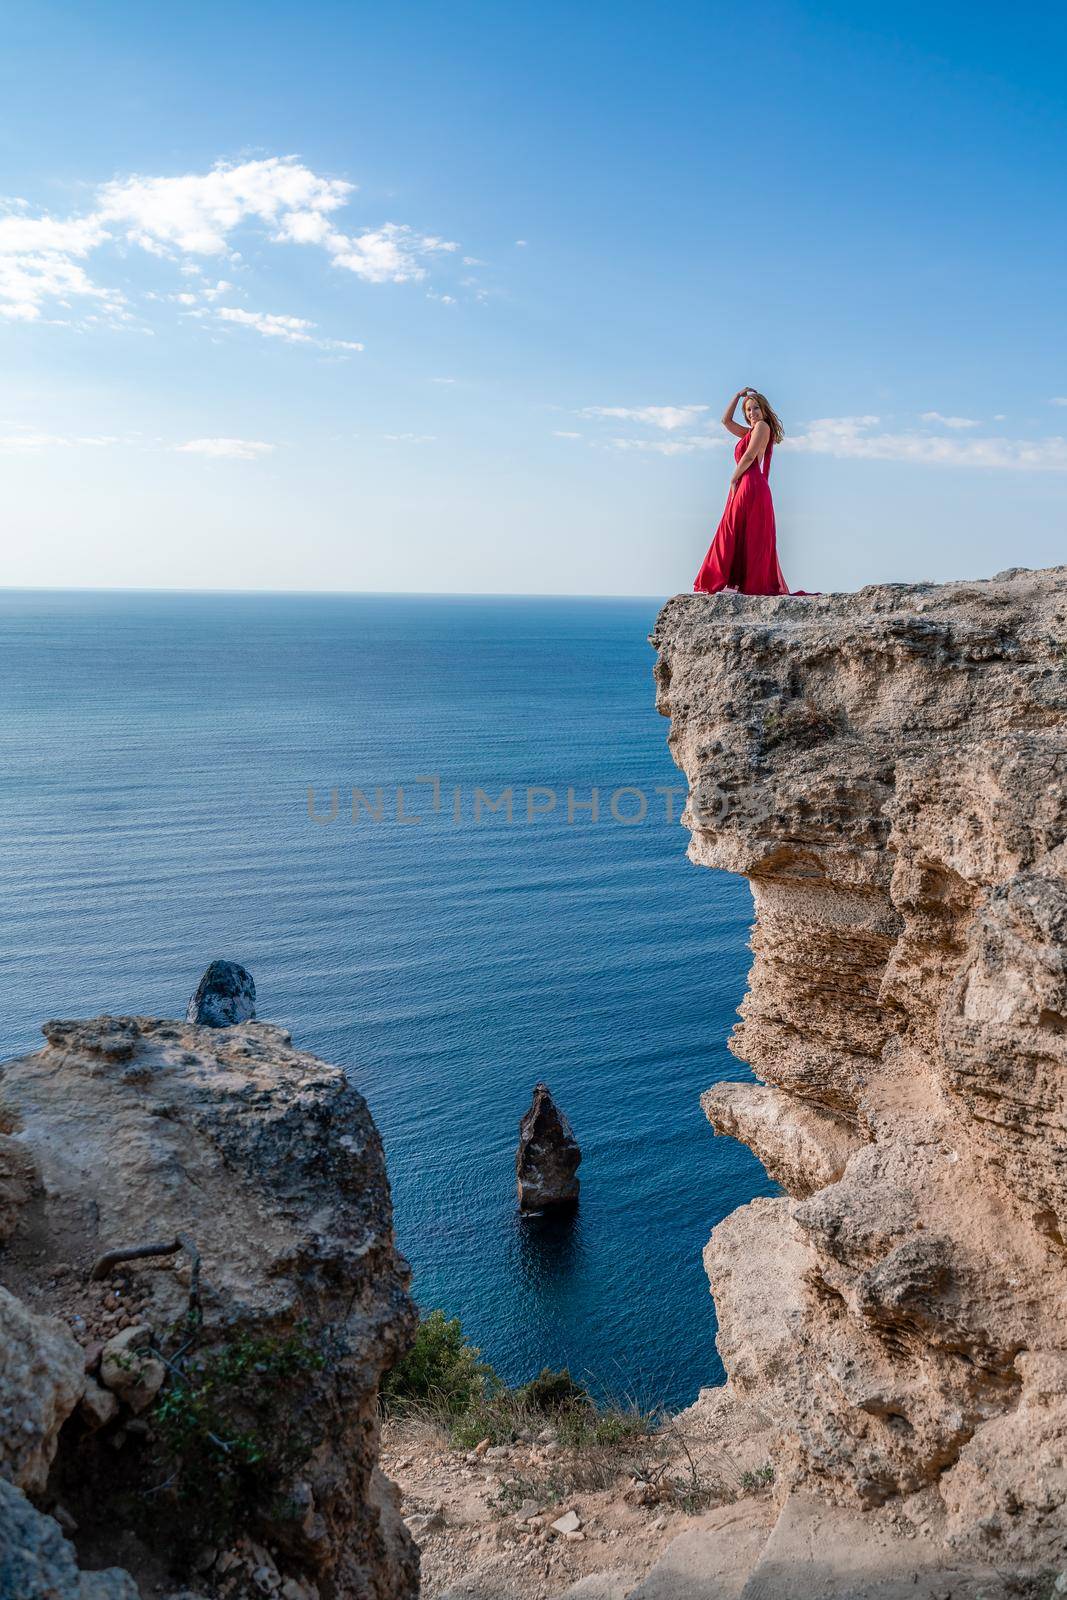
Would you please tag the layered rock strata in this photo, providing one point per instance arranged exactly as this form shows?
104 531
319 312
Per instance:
889 771
185 1195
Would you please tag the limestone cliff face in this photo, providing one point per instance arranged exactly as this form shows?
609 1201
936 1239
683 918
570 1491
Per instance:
264 1162
889 771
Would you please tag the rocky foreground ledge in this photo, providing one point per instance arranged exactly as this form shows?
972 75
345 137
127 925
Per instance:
210 1409
889 771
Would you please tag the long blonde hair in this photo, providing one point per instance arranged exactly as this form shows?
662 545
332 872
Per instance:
770 416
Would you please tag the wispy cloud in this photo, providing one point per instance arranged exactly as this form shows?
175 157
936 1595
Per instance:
682 446
31 441
564 433
393 253
860 438
949 422
1058 400
42 258
227 449
293 330
28 442
41 265
668 418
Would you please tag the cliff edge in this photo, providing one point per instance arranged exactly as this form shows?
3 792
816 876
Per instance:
201 1292
889 771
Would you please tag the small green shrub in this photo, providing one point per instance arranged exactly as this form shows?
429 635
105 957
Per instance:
620 1427
552 1392
226 1433
441 1373
444 1380
759 1478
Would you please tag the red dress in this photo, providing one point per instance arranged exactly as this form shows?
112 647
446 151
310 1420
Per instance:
743 554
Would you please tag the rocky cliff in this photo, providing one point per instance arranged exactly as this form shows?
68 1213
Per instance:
201 1293
889 771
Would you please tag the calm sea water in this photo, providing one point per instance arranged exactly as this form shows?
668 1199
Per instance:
153 797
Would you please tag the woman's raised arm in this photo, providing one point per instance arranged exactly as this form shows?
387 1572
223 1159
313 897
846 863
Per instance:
728 417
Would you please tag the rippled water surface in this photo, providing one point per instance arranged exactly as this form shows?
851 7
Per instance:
157 754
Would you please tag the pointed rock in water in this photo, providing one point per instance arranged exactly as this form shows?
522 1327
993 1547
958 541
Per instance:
547 1160
225 994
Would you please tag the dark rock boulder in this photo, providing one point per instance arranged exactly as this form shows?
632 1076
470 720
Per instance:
225 994
547 1160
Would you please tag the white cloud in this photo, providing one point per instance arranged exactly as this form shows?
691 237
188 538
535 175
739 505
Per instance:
198 214
669 447
1058 400
294 330
410 438
227 449
68 236
948 422
521 244
40 261
393 253
561 433
29 282
666 417
854 438
27 442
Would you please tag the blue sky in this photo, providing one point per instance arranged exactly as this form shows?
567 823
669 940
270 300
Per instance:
209 210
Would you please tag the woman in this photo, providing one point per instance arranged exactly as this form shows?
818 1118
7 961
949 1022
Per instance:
743 556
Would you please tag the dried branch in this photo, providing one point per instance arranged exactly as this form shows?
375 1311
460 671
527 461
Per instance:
138 1252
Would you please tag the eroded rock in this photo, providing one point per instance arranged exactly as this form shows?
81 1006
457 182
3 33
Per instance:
268 1162
41 1381
37 1563
17 1177
129 1370
889 770
547 1159
225 994
97 1406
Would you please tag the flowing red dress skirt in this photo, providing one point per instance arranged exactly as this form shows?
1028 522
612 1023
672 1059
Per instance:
743 553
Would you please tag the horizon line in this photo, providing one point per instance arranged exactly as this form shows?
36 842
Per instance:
391 594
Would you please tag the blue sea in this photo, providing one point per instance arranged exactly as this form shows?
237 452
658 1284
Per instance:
158 752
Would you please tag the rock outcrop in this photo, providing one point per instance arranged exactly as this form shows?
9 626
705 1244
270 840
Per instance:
256 1175
889 771
42 1376
225 994
547 1158
37 1563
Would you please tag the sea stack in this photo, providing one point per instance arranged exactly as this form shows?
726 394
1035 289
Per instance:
225 994
548 1157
